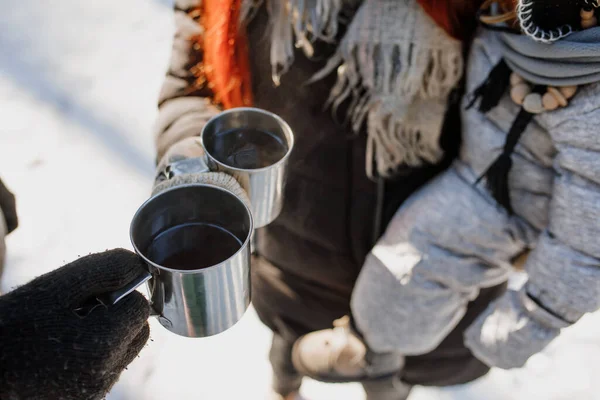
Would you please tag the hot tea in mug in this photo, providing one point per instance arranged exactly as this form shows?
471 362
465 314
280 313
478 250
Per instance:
247 148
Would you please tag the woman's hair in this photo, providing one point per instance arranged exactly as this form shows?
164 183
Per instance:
456 17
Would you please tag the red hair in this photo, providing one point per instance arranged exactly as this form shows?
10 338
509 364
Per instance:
225 66
456 17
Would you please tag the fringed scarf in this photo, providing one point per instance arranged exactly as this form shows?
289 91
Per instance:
395 66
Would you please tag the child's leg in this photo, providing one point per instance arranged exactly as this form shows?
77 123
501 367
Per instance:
286 379
448 241
386 389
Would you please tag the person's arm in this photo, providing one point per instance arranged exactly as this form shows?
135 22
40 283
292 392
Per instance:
8 219
564 268
8 209
185 103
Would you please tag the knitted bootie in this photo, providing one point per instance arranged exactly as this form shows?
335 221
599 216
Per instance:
339 355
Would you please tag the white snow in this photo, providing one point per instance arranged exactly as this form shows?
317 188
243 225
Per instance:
78 86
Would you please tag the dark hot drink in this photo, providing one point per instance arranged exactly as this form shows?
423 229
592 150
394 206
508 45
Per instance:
193 246
246 148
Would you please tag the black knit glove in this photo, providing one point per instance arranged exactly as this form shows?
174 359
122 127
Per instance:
49 352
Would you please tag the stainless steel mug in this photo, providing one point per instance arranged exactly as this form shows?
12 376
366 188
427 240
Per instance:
207 300
194 302
264 185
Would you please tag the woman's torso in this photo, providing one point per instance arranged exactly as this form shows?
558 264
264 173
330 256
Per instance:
326 227
317 246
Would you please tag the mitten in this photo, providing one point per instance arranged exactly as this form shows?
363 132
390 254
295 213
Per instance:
511 330
48 351
190 149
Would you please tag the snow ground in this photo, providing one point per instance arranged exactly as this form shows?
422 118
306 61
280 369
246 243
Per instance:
78 84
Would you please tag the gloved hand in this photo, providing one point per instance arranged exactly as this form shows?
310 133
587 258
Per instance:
188 149
49 352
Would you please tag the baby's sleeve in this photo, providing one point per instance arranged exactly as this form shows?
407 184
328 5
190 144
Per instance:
564 268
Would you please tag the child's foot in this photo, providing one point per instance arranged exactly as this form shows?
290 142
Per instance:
291 396
285 387
339 355
386 389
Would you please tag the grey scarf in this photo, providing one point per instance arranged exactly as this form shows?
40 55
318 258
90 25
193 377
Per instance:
574 60
394 64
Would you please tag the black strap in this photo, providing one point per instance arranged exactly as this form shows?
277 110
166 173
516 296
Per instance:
378 218
492 89
497 173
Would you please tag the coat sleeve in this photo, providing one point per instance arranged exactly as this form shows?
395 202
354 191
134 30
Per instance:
184 105
8 209
564 268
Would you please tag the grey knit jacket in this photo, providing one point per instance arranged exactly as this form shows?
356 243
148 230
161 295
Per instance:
451 239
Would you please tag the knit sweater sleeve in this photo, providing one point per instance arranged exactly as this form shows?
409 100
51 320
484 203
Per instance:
564 268
184 105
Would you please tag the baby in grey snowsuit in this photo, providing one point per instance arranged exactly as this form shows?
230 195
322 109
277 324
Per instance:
452 238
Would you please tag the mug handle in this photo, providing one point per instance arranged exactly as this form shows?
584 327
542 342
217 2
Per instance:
184 157
113 297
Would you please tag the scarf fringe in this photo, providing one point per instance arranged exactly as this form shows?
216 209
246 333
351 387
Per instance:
392 144
417 62
370 78
248 10
298 23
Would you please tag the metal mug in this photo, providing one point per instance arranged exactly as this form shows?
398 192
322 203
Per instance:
206 301
265 185
196 302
